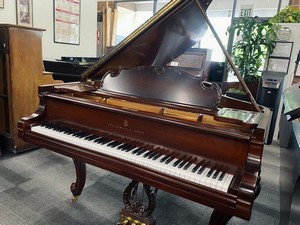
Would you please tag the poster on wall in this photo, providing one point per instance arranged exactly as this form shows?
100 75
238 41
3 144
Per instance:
24 12
67 21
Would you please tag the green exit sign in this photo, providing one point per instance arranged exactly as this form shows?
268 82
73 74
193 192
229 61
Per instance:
246 10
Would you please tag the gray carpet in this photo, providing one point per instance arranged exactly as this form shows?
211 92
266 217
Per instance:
34 189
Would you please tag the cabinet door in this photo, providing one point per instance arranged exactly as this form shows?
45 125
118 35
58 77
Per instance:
26 68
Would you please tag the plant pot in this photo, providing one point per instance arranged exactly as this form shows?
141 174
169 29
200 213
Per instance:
253 88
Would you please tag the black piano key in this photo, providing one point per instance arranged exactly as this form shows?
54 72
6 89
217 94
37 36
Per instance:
210 172
106 141
78 134
216 174
165 158
157 156
129 148
222 176
169 159
97 139
148 153
202 168
154 153
123 146
101 139
53 125
141 151
187 165
90 137
56 128
177 162
84 134
71 131
114 144
194 170
182 164
137 150
75 134
67 130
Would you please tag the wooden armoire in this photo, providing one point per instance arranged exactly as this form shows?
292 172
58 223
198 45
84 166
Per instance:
21 71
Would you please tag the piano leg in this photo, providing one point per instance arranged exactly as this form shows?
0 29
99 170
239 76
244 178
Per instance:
76 188
135 212
219 218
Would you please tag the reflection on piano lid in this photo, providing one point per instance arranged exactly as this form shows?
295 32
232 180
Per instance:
291 101
132 97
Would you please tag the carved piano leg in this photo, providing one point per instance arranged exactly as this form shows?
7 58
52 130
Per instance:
76 188
219 218
135 212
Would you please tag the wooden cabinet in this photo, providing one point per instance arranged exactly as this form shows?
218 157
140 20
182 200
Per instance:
21 71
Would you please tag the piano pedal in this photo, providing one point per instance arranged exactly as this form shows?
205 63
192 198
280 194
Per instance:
74 199
125 219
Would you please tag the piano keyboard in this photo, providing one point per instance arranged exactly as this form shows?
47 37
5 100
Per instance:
189 168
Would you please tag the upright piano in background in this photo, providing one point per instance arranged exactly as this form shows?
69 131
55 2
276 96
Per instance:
135 114
21 72
68 68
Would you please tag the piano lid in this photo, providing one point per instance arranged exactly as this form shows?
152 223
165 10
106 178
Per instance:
169 33
291 99
174 30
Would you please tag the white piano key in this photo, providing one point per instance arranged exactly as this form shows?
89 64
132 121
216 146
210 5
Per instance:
227 183
214 181
140 159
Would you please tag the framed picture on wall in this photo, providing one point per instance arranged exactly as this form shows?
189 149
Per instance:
67 21
1 4
24 12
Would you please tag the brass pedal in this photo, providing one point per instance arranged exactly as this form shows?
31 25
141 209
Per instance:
128 220
124 220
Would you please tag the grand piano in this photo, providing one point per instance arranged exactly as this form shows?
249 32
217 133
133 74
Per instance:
136 115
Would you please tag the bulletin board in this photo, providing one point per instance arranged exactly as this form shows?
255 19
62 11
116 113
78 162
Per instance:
67 21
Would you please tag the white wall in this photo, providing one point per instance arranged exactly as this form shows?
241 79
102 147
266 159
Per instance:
8 14
43 18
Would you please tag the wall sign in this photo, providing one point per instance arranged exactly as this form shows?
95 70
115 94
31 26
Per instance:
67 21
246 10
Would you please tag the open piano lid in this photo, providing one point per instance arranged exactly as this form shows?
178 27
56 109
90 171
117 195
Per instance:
166 35
291 99
172 31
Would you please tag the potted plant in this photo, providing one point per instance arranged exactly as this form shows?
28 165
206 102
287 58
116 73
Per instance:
287 25
289 14
255 40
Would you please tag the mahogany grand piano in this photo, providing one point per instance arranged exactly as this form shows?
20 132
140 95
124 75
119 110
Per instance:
136 115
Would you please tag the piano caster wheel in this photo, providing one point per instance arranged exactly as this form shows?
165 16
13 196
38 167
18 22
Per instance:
74 199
